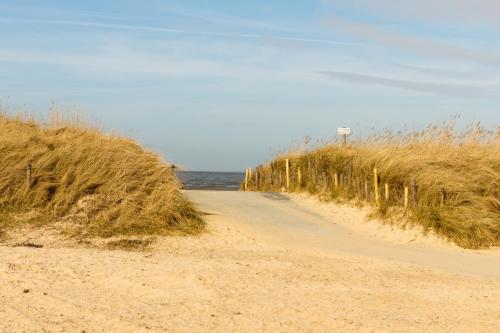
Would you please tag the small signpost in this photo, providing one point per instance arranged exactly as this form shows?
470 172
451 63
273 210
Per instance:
344 132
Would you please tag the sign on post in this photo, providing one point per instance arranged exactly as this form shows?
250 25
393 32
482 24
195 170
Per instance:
344 132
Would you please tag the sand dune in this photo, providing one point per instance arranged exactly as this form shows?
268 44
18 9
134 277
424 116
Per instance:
233 279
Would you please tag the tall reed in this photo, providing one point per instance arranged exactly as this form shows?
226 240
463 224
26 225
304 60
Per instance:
452 180
103 184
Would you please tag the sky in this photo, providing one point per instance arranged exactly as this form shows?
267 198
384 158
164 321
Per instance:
224 85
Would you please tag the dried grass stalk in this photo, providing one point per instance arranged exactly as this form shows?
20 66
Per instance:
105 184
453 179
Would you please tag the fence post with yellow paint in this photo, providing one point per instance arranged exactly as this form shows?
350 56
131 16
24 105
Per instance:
287 166
246 180
406 196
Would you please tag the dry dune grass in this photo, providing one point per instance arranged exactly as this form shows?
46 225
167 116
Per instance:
453 180
100 184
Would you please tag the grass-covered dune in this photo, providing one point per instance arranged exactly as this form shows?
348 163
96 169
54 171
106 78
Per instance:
453 180
100 184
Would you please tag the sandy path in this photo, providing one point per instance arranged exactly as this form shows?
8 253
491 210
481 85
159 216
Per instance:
308 224
235 279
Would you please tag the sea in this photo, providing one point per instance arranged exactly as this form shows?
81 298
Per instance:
208 180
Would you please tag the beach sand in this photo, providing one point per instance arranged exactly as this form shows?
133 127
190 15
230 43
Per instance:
230 279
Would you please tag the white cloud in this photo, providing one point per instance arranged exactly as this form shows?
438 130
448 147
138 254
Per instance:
450 89
125 61
161 29
222 19
423 46
470 12
471 74
478 12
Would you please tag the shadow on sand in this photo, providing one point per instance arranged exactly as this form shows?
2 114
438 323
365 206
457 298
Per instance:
275 196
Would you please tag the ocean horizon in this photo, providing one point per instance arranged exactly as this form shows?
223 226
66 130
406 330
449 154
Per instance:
210 180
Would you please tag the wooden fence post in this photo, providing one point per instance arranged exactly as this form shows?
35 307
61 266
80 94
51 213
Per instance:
366 189
28 176
299 177
324 181
336 180
249 178
443 197
386 192
406 196
287 167
309 172
375 186
349 175
256 178
414 193
356 187
271 175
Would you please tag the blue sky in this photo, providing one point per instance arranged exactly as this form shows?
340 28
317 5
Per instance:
222 85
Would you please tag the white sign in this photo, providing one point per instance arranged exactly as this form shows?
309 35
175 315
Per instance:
344 131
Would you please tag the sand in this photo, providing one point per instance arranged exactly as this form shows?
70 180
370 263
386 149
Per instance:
232 278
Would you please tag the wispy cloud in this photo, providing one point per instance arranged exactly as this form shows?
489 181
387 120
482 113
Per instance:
478 12
219 18
456 90
160 29
423 46
127 62
15 9
467 74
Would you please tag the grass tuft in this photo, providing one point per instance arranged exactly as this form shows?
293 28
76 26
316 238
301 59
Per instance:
101 184
129 244
453 179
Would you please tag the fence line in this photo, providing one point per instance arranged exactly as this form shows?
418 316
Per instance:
292 175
